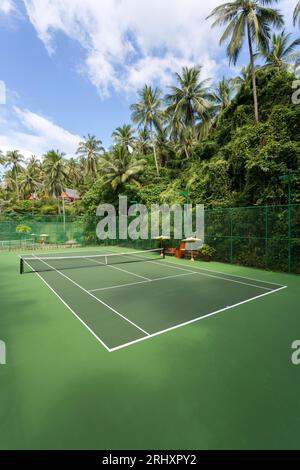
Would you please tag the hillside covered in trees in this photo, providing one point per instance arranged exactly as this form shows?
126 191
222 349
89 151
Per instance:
226 144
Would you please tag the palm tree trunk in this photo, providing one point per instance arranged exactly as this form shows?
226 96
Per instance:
253 73
154 151
17 185
155 158
186 152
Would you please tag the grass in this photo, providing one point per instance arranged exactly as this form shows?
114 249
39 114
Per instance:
225 382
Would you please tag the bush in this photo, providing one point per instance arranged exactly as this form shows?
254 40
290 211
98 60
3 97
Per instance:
23 229
207 252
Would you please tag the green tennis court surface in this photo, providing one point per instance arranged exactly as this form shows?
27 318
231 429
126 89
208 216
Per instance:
125 298
218 382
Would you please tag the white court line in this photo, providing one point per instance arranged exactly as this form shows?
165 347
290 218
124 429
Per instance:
194 320
168 329
216 277
120 269
72 311
94 297
142 282
234 275
217 272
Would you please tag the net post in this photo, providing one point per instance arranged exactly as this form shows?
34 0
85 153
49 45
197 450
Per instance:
21 266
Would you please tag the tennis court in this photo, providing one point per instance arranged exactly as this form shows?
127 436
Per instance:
124 297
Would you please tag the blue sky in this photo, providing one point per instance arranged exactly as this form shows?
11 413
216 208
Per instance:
73 67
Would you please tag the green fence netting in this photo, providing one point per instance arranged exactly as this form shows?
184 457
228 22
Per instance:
57 231
256 236
262 237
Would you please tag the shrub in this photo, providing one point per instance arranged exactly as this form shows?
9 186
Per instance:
23 229
207 252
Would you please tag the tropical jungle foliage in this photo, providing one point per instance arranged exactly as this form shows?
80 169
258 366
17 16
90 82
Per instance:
225 143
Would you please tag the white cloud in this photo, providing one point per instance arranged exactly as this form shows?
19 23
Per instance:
31 133
130 42
6 6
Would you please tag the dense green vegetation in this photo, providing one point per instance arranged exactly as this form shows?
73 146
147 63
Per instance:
226 143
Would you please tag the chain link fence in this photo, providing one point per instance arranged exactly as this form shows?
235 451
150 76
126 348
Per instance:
261 237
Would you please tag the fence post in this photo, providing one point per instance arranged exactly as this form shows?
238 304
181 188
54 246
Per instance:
231 237
266 236
290 234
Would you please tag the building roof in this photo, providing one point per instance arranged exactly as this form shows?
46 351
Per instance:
71 193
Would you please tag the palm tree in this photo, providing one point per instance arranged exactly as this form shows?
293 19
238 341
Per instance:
119 167
244 77
125 136
297 14
9 182
147 114
143 143
223 95
191 99
54 173
2 158
281 52
73 172
175 126
13 160
28 183
187 139
250 18
90 149
163 145
34 166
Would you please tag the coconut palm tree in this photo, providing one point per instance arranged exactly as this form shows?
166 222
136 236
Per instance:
244 77
90 150
74 175
28 184
54 174
187 139
223 94
297 14
9 182
147 114
252 19
175 126
281 53
125 136
119 167
2 158
34 166
143 143
191 98
13 160
163 145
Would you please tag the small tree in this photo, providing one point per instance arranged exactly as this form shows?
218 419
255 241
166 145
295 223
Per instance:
21 229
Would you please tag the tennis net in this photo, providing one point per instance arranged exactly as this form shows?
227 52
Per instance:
33 264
